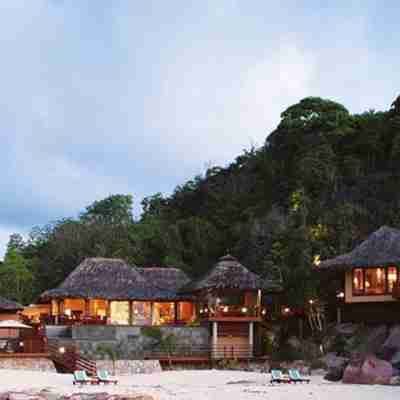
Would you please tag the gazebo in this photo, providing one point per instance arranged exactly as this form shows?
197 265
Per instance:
370 275
229 298
110 291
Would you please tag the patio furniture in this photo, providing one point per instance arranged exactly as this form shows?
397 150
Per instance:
81 378
296 377
105 378
278 377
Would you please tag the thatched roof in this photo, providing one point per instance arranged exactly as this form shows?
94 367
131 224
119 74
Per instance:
110 279
165 278
9 305
381 248
228 273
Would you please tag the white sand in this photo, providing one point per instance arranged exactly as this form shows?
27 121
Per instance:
202 385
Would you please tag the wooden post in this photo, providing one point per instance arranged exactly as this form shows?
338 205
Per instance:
108 311
176 312
258 303
130 312
339 315
301 330
214 338
251 338
152 313
87 308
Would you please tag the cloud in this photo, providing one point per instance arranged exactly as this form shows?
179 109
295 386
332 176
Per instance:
126 97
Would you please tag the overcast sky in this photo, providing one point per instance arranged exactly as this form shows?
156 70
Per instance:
102 97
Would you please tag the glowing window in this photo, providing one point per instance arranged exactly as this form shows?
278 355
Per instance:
358 281
392 278
375 281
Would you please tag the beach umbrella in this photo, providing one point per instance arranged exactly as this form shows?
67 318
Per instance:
11 324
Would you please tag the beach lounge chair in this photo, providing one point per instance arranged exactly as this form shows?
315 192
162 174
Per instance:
81 378
104 377
296 377
278 377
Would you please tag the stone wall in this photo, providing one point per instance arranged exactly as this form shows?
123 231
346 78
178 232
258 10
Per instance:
30 364
129 367
129 342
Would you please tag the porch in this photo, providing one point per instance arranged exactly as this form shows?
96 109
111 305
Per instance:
71 311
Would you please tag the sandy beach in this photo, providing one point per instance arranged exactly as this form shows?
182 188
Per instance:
201 385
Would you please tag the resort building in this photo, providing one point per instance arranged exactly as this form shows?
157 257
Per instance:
109 291
370 277
225 306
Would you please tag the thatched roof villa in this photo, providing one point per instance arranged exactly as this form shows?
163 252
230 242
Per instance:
370 274
110 291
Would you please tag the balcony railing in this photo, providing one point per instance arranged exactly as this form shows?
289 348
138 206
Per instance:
241 311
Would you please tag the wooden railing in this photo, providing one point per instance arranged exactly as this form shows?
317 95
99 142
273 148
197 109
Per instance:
70 359
202 352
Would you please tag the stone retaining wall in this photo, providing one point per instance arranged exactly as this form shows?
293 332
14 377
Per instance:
129 342
30 364
130 367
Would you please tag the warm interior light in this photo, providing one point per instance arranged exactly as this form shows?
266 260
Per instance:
244 310
225 309
317 260
367 284
340 295
61 350
286 310
379 274
311 301
136 312
68 312
355 281
21 344
264 311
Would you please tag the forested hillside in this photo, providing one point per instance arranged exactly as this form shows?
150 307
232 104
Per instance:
323 180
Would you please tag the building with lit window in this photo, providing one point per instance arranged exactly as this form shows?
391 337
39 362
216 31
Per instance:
370 276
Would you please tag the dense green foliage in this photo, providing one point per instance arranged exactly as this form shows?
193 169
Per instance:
322 181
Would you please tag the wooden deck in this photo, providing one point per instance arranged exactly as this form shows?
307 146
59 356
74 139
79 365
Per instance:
24 355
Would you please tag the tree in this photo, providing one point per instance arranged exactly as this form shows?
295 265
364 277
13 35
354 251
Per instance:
115 209
15 277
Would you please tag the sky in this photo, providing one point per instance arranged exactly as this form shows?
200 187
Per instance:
135 97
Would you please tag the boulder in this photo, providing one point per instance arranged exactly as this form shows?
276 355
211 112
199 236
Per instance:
376 371
333 361
395 381
375 340
393 340
347 329
334 374
371 371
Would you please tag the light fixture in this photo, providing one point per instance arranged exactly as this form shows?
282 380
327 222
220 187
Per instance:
21 344
286 310
340 295
317 260
61 350
244 310
264 311
136 312
311 301
225 309
367 284
68 312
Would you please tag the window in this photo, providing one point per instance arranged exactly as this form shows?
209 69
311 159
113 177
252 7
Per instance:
358 281
392 278
374 281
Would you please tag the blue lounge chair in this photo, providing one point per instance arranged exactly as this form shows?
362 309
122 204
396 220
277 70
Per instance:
278 377
296 377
